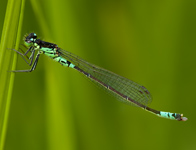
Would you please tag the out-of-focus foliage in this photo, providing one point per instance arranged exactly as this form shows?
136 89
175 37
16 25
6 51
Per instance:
150 42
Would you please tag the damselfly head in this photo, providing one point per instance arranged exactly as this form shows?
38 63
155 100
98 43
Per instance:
30 39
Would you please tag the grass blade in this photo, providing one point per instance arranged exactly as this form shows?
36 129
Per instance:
10 38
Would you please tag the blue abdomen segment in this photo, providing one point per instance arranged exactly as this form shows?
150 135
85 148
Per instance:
173 116
168 115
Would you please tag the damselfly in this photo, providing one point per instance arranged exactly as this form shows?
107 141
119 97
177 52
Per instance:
123 89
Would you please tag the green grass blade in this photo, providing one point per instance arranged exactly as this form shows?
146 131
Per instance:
10 38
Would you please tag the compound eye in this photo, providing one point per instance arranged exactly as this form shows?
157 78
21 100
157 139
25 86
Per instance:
34 35
31 38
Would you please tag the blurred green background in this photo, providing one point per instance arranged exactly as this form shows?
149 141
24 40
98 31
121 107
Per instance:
150 42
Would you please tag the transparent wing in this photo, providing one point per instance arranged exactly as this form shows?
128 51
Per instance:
123 85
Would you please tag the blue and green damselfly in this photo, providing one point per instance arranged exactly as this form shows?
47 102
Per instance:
123 89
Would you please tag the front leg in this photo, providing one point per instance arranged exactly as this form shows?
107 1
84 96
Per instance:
33 66
22 55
